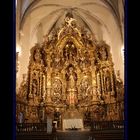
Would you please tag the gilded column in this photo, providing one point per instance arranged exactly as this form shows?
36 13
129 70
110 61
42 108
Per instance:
30 84
99 82
112 81
49 87
102 84
48 78
44 89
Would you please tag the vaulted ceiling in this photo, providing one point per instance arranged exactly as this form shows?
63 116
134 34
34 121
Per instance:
103 18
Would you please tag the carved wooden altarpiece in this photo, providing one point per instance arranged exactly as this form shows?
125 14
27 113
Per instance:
71 70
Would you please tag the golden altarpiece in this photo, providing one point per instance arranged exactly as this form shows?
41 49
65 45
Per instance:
71 75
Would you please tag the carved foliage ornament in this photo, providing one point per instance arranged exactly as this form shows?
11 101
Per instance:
59 66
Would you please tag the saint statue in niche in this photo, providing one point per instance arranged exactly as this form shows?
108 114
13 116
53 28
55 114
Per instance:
103 54
71 78
108 82
34 87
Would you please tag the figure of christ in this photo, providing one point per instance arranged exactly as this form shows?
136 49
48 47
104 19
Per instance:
70 52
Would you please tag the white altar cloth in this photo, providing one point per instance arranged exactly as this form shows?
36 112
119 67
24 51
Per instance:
72 123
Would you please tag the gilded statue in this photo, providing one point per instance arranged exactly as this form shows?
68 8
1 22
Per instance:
34 87
69 52
71 78
108 83
103 53
69 21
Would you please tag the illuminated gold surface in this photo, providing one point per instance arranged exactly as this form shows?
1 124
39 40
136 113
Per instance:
71 70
